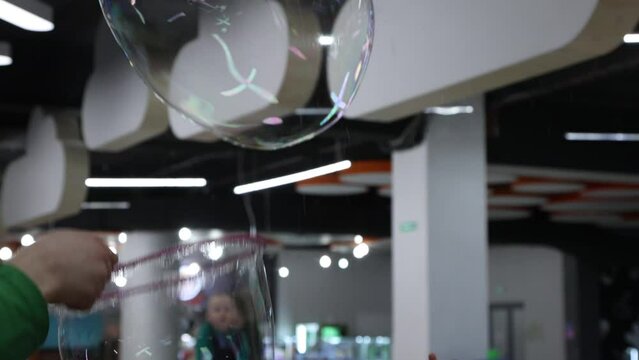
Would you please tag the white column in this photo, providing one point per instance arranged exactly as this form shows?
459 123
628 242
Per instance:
148 323
440 301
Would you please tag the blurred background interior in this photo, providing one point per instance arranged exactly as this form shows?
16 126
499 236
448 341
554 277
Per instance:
558 197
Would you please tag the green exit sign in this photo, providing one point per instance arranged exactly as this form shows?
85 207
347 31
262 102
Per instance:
408 226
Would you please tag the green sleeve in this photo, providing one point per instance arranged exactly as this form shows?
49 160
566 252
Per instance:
24 318
202 345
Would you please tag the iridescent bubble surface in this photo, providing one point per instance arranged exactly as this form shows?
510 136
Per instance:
204 299
235 66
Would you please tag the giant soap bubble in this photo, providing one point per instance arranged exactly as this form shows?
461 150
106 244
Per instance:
262 74
201 300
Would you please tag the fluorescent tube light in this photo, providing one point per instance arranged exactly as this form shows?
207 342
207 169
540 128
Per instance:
574 136
631 39
312 111
106 205
293 178
145 182
5 54
449 110
31 15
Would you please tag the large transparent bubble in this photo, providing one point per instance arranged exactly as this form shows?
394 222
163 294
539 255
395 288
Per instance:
203 300
262 74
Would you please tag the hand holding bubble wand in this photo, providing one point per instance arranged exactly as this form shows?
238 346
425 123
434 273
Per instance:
175 271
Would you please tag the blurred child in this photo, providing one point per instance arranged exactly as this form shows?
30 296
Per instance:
222 336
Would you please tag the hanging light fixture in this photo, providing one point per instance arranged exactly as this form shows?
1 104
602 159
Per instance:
368 172
5 53
329 185
32 15
546 186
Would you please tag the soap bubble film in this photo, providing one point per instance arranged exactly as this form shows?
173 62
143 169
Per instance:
199 300
262 74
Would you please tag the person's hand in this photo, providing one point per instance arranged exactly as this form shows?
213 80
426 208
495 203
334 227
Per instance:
69 267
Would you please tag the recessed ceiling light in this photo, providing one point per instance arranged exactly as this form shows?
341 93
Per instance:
326 40
5 54
360 251
325 261
283 272
31 15
185 234
6 254
27 240
120 281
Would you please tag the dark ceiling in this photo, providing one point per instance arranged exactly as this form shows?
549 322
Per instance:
526 125
528 120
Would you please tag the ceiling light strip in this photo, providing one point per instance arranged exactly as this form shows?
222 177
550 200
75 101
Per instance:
575 136
31 15
450 110
145 182
293 178
106 205
631 39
